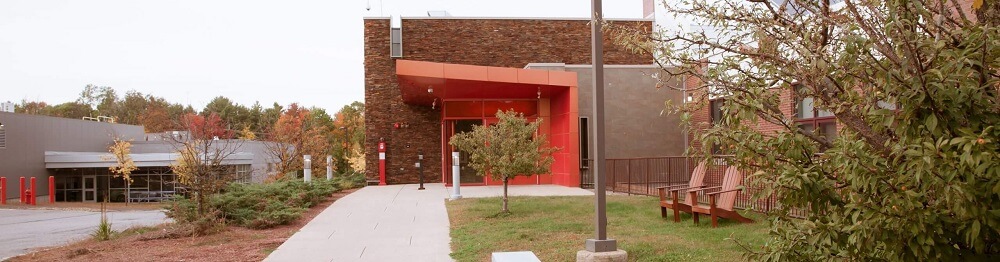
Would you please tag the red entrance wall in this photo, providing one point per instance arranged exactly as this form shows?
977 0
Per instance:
533 109
476 92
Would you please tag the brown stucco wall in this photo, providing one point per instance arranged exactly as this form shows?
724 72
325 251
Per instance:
487 42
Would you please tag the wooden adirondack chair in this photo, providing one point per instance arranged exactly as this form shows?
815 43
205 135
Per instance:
675 203
720 202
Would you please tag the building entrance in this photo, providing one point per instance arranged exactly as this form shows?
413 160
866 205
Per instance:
89 188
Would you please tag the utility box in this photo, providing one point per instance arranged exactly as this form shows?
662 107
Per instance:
518 256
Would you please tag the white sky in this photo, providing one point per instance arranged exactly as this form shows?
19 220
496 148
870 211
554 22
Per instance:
306 51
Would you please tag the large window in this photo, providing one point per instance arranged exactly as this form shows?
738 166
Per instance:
812 119
715 107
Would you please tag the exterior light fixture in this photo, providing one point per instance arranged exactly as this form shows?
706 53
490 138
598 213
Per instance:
690 98
539 92
433 104
430 89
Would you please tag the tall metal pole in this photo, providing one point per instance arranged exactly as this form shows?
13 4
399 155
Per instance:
600 243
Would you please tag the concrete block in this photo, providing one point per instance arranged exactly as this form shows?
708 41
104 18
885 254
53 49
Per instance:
612 256
518 256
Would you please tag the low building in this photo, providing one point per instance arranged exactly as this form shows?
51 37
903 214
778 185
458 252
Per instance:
75 152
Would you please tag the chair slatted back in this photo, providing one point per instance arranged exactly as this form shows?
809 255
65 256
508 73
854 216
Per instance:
697 179
732 179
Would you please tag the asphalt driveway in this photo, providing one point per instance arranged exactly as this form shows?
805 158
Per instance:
22 231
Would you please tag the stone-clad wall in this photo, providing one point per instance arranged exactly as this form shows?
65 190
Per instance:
486 42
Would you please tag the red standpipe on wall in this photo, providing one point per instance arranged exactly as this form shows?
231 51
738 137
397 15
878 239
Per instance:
34 192
52 189
381 163
3 190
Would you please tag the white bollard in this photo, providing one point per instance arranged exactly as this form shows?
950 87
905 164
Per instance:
455 177
329 167
307 168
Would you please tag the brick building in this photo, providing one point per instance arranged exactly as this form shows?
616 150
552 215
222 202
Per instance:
442 75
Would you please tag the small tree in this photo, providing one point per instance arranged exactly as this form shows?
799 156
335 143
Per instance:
199 167
121 150
508 149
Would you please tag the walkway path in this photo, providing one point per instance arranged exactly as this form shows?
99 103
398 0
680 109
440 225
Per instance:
391 223
376 223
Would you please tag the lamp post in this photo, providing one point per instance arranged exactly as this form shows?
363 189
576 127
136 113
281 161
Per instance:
600 248
455 176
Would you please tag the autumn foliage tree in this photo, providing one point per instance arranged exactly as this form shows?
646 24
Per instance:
296 134
913 172
199 167
508 149
348 136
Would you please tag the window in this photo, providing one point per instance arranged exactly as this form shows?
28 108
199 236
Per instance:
812 119
716 118
3 137
396 37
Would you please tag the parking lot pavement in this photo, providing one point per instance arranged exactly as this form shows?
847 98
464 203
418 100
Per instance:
22 231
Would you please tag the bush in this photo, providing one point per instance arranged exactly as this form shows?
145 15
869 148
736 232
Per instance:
261 206
353 179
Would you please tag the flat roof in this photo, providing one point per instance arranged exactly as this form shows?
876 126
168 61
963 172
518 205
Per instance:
507 18
57 159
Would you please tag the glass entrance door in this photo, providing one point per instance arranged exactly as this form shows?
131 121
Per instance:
468 174
89 189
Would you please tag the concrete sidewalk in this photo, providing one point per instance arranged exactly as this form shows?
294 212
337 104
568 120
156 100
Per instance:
391 223
376 223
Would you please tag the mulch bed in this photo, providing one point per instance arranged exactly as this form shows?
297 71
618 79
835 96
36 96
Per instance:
233 244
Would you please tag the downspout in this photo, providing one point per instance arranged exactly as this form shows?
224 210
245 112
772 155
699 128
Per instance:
686 133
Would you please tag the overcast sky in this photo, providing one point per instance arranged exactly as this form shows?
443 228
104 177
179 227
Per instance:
306 51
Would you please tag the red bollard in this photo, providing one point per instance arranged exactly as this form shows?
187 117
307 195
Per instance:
22 190
52 189
3 190
34 192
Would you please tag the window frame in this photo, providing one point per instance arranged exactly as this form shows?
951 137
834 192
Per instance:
816 121
713 121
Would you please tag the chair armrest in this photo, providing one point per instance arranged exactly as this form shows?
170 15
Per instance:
672 186
703 189
723 191
686 188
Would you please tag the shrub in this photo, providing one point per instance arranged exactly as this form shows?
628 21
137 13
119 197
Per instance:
261 206
267 205
352 179
103 232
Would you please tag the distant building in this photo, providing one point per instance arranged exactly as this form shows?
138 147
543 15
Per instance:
76 153
7 107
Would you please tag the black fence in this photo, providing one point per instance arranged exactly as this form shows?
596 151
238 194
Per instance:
641 176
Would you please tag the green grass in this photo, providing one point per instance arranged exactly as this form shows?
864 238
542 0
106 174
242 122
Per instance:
556 227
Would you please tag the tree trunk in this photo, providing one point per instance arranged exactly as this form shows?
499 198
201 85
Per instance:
505 210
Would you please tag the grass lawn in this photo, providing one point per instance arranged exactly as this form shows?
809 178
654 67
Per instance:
556 227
